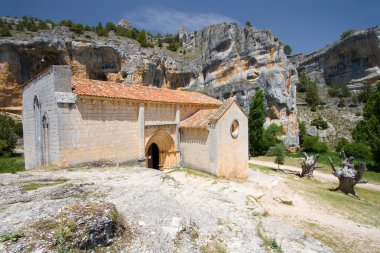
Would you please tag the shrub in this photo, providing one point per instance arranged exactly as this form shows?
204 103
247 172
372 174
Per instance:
312 144
279 152
341 144
359 150
270 136
9 132
347 33
342 103
320 123
4 32
302 132
287 50
248 23
341 91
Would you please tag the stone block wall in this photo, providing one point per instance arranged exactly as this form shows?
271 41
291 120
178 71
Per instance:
232 153
99 130
42 147
195 149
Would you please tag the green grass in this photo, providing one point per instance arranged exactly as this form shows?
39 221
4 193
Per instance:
261 168
370 176
11 164
11 236
36 185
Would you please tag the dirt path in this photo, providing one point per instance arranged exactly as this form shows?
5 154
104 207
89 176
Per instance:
317 175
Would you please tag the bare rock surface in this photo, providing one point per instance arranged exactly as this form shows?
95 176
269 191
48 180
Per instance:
166 211
222 60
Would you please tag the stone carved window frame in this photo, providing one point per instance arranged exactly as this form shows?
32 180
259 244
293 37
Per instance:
234 129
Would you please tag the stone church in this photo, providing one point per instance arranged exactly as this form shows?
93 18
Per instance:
69 122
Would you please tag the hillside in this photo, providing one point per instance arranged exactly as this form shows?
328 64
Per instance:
221 60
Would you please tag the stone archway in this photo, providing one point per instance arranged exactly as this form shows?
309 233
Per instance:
162 143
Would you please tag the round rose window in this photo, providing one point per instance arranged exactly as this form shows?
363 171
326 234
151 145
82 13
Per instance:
235 129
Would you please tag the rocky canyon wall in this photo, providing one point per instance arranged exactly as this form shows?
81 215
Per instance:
222 60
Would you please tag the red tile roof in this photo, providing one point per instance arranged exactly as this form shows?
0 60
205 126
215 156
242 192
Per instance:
200 119
139 93
203 118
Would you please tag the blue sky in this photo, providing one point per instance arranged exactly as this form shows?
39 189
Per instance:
306 25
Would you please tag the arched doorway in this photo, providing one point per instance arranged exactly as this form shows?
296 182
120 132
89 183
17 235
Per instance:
160 151
153 156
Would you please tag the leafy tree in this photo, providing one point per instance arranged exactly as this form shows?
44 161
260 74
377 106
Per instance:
303 82
256 119
368 130
248 23
288 50
100 31
302 131
4 32
270 136
142 39
110 26
279 152
159 42
312 94
312 144
319 123
9 130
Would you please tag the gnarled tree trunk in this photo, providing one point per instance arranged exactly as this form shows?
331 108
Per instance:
347 175
308 165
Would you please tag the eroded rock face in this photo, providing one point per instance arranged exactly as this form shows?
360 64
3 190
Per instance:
222 60
354 60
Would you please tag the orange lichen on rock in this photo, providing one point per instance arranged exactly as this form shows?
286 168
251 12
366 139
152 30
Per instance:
288 83
78 69
10 91
270 64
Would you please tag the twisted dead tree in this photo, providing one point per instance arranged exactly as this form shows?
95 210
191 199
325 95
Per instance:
347 175
308 165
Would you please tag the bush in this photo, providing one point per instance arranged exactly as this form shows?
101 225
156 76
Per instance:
279 152
359 150
347 33
302 132
270 136
9 132
287 50
342 103
11 164
248 23
341 144
341 91
320 123
312 144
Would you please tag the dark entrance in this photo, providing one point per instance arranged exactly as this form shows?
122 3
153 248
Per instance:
153 156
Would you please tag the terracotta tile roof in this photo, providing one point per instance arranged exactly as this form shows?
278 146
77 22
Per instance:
203 118
200 119
140 93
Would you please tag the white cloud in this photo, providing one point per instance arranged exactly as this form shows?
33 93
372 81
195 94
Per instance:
169 20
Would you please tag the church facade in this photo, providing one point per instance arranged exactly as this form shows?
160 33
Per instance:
69 122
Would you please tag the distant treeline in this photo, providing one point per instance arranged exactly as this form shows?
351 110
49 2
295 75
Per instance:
145 38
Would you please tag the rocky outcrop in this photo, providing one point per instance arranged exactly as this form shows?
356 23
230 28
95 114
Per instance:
353 61
222 60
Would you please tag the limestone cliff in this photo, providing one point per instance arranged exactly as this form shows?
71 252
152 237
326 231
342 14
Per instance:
353 61
222 60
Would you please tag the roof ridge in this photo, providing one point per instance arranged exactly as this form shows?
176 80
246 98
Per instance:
110 89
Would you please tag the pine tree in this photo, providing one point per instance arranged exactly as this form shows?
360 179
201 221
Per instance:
256 121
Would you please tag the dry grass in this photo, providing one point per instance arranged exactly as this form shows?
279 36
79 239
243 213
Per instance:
364 211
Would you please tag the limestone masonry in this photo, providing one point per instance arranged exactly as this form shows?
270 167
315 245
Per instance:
69 121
